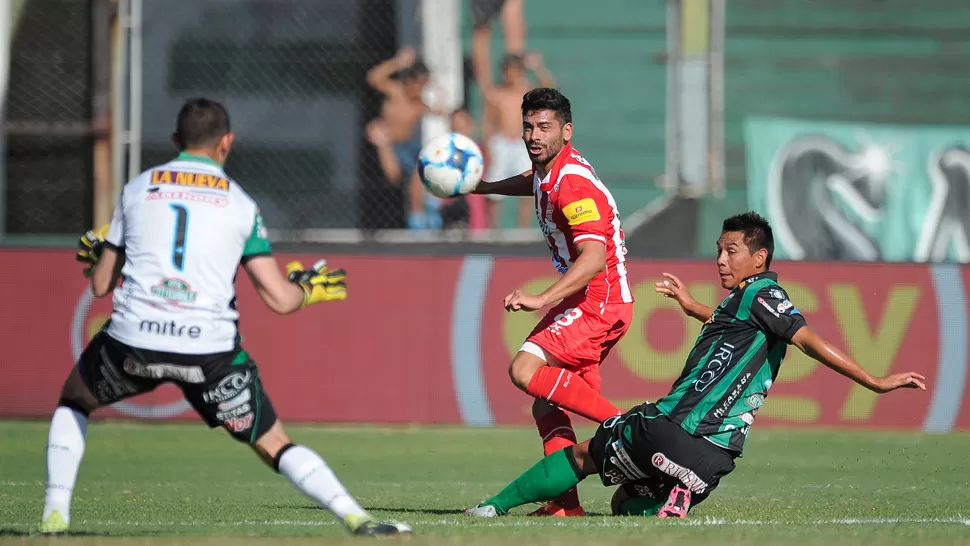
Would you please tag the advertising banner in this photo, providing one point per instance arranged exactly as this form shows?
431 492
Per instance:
864 192
427 340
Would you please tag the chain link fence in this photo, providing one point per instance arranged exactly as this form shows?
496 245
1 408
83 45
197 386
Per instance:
49 167
292 74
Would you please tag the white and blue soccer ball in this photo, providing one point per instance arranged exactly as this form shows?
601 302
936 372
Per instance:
450 165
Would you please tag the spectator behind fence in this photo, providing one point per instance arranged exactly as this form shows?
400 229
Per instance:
425 210
396 133
502 125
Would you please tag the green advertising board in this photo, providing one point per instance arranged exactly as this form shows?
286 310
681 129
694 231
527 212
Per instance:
855 191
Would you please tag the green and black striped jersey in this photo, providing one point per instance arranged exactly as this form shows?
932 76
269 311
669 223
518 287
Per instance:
734 362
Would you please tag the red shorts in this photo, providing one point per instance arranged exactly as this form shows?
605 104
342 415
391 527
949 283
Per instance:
580 333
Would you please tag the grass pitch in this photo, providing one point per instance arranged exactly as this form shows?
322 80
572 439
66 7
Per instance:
152 483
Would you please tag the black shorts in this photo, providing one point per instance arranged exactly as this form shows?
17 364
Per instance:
484 11
223 388
648 455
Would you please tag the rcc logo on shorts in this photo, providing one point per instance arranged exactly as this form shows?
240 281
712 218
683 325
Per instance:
229 387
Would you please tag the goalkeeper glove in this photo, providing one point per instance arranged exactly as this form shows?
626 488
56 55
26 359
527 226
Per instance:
318 282
90 247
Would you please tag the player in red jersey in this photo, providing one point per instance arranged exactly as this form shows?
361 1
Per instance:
559 362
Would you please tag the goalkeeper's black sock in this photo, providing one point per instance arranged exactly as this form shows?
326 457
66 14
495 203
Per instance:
308 472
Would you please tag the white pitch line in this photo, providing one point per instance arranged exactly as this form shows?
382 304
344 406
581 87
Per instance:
593 522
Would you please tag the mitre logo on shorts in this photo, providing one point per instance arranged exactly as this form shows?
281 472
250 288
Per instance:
581 211
230 386
685 475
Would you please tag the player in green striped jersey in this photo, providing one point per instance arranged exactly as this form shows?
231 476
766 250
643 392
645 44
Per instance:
670 455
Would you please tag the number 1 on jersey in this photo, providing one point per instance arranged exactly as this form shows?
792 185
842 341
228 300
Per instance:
178 245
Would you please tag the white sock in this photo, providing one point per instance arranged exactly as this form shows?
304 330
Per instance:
65 447
310 474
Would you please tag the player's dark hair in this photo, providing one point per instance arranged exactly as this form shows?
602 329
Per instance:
545 98
201 123
757 232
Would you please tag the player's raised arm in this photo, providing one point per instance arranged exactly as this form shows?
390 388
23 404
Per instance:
672 287
284 295
519 185
280 295
814 346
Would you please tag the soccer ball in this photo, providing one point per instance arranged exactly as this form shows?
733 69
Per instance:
450 165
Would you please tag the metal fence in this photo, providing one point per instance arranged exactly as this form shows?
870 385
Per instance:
292 75
49 160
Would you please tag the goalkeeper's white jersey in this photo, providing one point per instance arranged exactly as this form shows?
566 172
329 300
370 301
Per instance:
185 226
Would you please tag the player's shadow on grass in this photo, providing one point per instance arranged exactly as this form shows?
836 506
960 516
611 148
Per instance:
435 512
429 511
10 532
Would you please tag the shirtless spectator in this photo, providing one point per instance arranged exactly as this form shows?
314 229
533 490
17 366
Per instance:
502 126
396 134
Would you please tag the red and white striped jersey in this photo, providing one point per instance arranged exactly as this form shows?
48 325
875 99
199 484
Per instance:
573 206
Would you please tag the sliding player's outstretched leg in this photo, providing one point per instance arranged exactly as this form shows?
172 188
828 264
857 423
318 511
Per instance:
550 477
558 386
556 431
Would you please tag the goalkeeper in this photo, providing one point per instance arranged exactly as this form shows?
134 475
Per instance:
177 237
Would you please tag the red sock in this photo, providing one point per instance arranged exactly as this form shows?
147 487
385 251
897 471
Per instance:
568 391
557 432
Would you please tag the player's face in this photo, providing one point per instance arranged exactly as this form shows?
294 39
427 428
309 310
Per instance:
544 135
735 261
